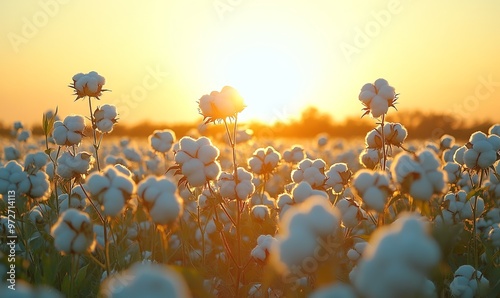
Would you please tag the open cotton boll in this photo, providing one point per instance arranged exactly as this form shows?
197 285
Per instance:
494 130
11 153
468 282
351 212
459 206
480 152
405 251
311 171
294 155
419 175
197 160
369 158
132 154
69 166
377 97
338 177
300 229
70 131
264 160
453 172
303 190
105 118
89 84
260 212
39 186
35 161
221 105
161 199
145 280
263 248
372 187
13 177
78 199
111 188
38 213
446 142
241 189
73 232
162 140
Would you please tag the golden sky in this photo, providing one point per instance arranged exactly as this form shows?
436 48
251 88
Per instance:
160 57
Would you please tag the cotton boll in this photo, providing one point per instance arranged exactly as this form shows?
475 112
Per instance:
373 188
111 188
453 172
468 282
260 212
300 228
294 155
338 177
11 153
494 130
146 280
13 177
264 161
369 158
241 189
351 212
89 84
70 166
405 251
162 140
337 290
39 186
73 233
161 199
304 190
262 250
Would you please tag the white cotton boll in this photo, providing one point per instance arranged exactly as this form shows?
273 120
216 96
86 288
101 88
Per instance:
146 280
299 230
13 177
494 130
24 135
35 161
453 172
369 158
132 155
260 212
337 290
161 199
337 177
264 244
446 141
69 167
162 140
375 199
283 200
405 251
37 213
379 106
494 235
468 282
39 186
73 232
373 139
294 155
366 96
458 157
351 212
11 153
363 180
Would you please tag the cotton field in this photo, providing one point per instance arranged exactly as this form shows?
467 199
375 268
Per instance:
85 215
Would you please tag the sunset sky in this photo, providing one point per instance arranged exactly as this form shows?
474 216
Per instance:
160 57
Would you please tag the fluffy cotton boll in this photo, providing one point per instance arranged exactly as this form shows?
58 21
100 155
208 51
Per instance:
369 158
457 203
161 199
458 157
446 142
73 233
105 118
322 140
294 155
13 177
78 199
303 190
453 172
337 290
264 161
377 97
70 131
39 186
162 140
405 251
34 162
69 166
338 177
373 139
310 171
419 175
241 189
264 244
145 280
494 235
24 135
300 229
351 212
11 153
132 154
449 153
373 188
38 213
494 130
89 84
355 253
481 151
395 133
260 212
221 105
468 282
112 189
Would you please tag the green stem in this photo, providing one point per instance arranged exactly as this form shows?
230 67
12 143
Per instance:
94 133
384 153
474 215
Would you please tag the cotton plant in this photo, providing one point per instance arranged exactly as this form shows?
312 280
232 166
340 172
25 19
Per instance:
70 131
160 198
312 172
162 140
338 177
419 175
373 187
197 161
456 207
111 189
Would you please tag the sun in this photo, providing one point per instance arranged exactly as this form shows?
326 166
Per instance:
274 76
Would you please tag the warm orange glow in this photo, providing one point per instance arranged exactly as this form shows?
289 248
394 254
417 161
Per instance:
160 57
